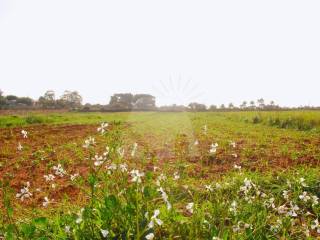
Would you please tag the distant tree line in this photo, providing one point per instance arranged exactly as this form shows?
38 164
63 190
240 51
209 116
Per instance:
72 100
69 100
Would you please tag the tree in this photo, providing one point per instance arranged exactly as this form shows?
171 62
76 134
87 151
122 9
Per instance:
3 101
213 108
243 105
144 102
128 101
197 107
121 101
48 100
50 95
252 105
25 101
71 99
261 103
271 106
12 98
231 106
12 101
222 107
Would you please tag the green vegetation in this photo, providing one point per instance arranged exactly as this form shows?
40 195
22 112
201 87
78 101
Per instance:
159 176
299 120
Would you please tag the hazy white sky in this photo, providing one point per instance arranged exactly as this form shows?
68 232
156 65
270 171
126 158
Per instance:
178 50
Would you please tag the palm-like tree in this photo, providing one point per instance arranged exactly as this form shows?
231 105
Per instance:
244 104
252 104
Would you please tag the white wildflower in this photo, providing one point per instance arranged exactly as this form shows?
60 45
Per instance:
208 188
155 219
263 195
285 194
315 226
233 207
112 167
24 192
213 148
98 160
59 171
79 218
136 176
232 144
106 153
74 176
282 209
102 128
46 202
189 207
205 129
236 228
134 149
247 225
270 203
241 225
306 230
176 176
165 198
289 183
67 229
275 228
123 167
315 200
89 142
293 210
248 185
49 177
237 167
305 197
302 182
150 236
19 147
104 232
120 152
160 179
24 133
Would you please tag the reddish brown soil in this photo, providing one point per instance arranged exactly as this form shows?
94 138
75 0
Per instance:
27 166
62 144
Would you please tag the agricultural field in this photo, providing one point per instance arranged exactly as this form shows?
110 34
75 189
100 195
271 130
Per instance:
151 175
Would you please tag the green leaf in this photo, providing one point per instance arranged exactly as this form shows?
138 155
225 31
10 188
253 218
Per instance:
10 211
42 221
10 232
111 202
28 230
92 179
